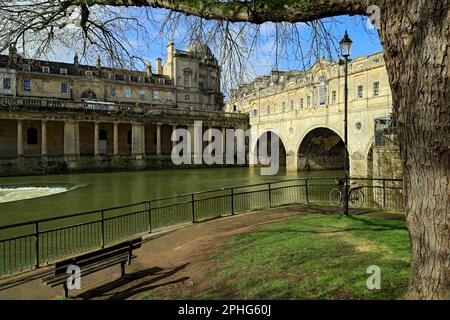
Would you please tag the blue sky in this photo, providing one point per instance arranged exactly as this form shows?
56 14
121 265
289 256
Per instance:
263 60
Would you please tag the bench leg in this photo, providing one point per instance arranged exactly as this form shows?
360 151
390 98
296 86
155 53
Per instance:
122 269
66 290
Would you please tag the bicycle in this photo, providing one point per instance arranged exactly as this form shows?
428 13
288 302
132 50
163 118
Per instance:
355 195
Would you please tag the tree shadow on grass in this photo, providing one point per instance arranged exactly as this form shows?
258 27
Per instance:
106 290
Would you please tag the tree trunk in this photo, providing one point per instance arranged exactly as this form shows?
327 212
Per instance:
415 36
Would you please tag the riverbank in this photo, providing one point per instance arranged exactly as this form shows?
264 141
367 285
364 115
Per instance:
188 262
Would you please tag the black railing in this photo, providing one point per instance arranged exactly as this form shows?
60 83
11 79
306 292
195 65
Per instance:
36 243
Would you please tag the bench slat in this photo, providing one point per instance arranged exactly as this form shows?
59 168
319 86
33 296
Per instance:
88 269
92 257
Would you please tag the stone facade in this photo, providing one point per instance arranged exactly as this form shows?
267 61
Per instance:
59 117
301 105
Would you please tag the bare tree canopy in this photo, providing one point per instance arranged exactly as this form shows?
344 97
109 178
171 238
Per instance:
415 35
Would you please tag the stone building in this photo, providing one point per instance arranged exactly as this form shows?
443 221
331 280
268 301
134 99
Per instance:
305 109
64 117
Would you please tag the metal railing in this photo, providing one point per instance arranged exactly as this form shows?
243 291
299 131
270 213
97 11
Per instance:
36 243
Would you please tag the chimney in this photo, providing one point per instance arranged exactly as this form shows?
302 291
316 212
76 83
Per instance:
159 69
170 49
13 53
98 64
148 69
75 60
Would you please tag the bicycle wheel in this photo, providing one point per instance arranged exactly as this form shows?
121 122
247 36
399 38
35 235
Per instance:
335 197
356 199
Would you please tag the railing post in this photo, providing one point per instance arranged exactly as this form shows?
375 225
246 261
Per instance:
193 208
384 195
270 196
36 234
232 201
103 229
149 209
306 191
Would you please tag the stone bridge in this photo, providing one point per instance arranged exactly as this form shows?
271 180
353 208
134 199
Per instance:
312 139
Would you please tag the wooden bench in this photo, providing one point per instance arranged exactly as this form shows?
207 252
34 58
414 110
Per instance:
91 262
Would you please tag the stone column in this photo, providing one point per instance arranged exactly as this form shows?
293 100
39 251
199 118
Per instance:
71 138
158 139
20 137
116 138
44 150
143 139
96 139
174 143
136 139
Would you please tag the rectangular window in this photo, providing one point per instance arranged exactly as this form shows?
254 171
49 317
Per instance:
26 85
376 89
89 73
186 97
308 102
64 88
283 106
141 79
292 105
142 94
255 112
268 109
322 94
63 71
333 97
127 77
6 83
45 69
301 103
26 67
155 95
111 76
127 93
169 96
187 80
113 92
360 92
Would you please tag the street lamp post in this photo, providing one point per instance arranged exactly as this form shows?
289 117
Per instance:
346 46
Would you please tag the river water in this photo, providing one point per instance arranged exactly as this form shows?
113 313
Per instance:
58 195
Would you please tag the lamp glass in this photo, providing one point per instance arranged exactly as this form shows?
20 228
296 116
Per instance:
346 45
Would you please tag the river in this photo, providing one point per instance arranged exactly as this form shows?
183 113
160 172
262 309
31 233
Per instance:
92 191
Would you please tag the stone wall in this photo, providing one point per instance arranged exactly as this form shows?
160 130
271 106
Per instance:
23 166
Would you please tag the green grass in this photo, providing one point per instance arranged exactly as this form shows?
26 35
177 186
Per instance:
313 257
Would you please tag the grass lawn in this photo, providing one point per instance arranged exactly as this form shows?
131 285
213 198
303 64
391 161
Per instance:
313 257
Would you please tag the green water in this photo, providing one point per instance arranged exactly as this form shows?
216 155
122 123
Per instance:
101 190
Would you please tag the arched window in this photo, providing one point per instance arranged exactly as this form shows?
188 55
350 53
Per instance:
129 137
102 135
88 95
322 91
32 136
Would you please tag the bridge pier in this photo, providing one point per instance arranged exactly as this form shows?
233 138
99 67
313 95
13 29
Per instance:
291 162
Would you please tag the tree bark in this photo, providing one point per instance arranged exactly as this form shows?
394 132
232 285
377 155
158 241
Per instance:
415 37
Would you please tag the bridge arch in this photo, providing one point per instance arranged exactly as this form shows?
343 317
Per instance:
321 148
282 146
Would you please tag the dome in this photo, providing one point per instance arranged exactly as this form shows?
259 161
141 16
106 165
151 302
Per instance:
199 48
